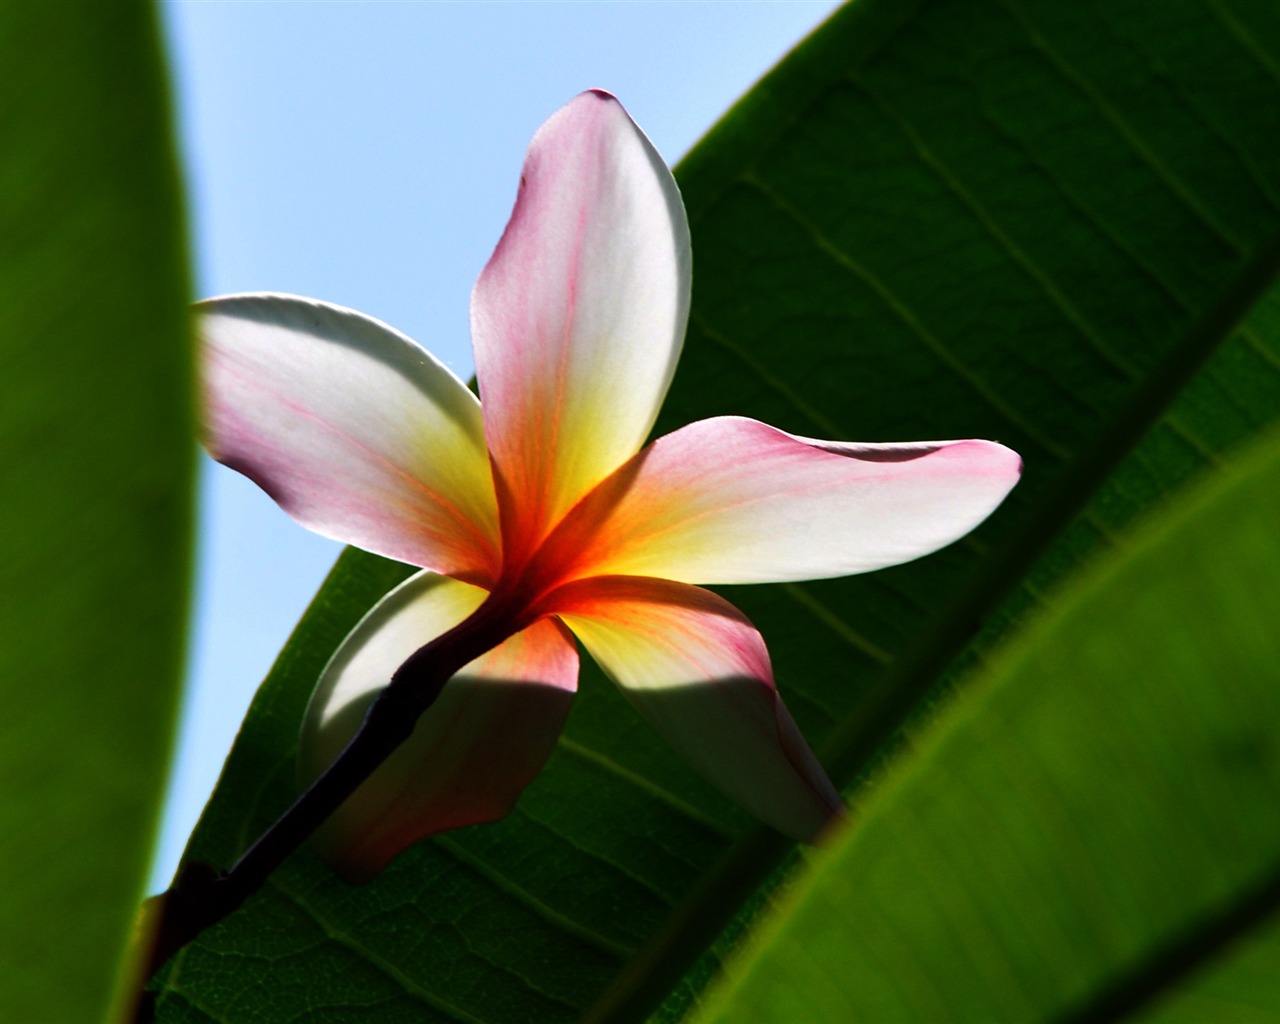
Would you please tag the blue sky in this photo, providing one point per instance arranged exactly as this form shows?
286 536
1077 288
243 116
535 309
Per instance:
367 153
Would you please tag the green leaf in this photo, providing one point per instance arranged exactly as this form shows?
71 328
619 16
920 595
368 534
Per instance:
1053 225
1086 828
95 437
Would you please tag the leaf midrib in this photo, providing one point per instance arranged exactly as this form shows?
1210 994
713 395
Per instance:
1183 956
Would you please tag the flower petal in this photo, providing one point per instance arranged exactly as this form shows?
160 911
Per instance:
472 753
353 429
699 672
579 316
732 500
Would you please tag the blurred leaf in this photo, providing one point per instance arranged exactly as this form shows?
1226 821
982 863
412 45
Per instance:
1085 828
1032 222
96 441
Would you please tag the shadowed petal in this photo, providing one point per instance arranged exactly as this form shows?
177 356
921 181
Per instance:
353 429
699 672
732 500
472 753
579 316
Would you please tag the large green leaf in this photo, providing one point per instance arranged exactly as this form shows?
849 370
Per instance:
1030 222
1090 826
95 437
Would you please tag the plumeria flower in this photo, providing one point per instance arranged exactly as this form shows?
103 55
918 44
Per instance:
539 507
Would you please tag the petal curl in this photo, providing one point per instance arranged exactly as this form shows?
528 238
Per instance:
354 430
733 500
472 753
579 316
699 672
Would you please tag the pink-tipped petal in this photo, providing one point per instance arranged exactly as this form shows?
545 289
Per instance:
353 429
699 673
579 316
472 753
732 500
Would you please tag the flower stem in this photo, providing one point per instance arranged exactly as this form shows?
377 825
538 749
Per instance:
201 897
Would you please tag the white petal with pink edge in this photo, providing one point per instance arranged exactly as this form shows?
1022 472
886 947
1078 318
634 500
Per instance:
473 751
699 673
733 500
579 316
353 429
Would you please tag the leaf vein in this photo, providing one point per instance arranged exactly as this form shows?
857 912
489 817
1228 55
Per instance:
1258 345
1263 58
385 967
1124 129
1023 259
909 320
664 898
835 623
193 1002
779 386
987 222
527 899
639 781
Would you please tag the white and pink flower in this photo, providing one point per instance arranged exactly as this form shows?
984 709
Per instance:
541 505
